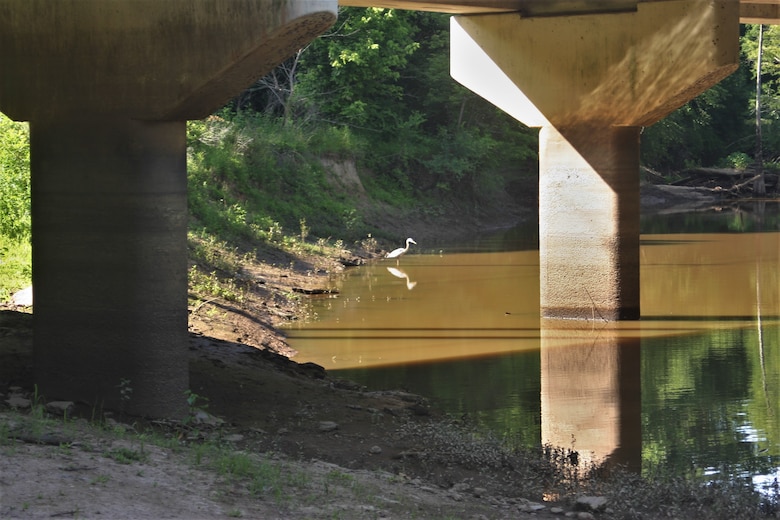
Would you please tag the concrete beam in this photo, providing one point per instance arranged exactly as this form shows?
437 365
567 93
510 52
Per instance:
441 6
627 69
525 8
146 59
751 11
760 12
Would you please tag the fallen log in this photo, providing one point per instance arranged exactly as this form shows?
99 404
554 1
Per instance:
727 173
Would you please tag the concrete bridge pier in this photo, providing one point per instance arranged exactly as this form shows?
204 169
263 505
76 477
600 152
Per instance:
109 214
589 222
591 82
107 88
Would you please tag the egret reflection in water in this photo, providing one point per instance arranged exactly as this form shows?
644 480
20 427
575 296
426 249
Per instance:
401 274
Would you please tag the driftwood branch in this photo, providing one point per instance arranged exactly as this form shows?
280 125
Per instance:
201 304
727 180
652 172
741 185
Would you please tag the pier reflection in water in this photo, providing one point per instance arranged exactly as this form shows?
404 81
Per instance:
692 387
591 393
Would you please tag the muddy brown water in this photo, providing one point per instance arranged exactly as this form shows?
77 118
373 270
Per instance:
693 388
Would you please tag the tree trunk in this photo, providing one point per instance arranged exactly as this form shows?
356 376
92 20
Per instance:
759 186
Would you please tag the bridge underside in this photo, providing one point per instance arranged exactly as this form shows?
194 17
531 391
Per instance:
107 87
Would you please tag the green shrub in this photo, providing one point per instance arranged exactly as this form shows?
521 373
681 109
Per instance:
251 177
15 266
14 179
737 160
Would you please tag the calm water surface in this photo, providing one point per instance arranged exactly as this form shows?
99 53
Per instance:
692 388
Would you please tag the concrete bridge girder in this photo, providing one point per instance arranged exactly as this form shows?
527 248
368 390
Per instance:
591 82
107 87
617 69
760 12
144 59
750 11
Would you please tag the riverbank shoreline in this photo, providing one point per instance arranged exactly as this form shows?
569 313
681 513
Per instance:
271 438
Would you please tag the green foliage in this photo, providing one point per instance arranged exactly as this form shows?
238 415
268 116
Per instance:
15 266
720 123
14 179
256 183
770 83
196 404
699 132
459 157
251 179
15 231
385 74
770 67
737 160
354 73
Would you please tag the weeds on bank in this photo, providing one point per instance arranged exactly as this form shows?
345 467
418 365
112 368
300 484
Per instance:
210 284
262 478
258 474
220 270
209 250
124 455
15 266
100 480
341 480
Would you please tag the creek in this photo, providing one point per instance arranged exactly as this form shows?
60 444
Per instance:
692 388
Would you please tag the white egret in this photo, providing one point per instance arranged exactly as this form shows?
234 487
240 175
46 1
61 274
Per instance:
395 253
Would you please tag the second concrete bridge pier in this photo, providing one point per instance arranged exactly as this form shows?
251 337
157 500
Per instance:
591 82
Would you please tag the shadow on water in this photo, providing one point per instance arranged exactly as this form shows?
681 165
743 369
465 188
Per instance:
693 388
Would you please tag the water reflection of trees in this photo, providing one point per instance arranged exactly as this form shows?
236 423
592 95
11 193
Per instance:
706 405
742 217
